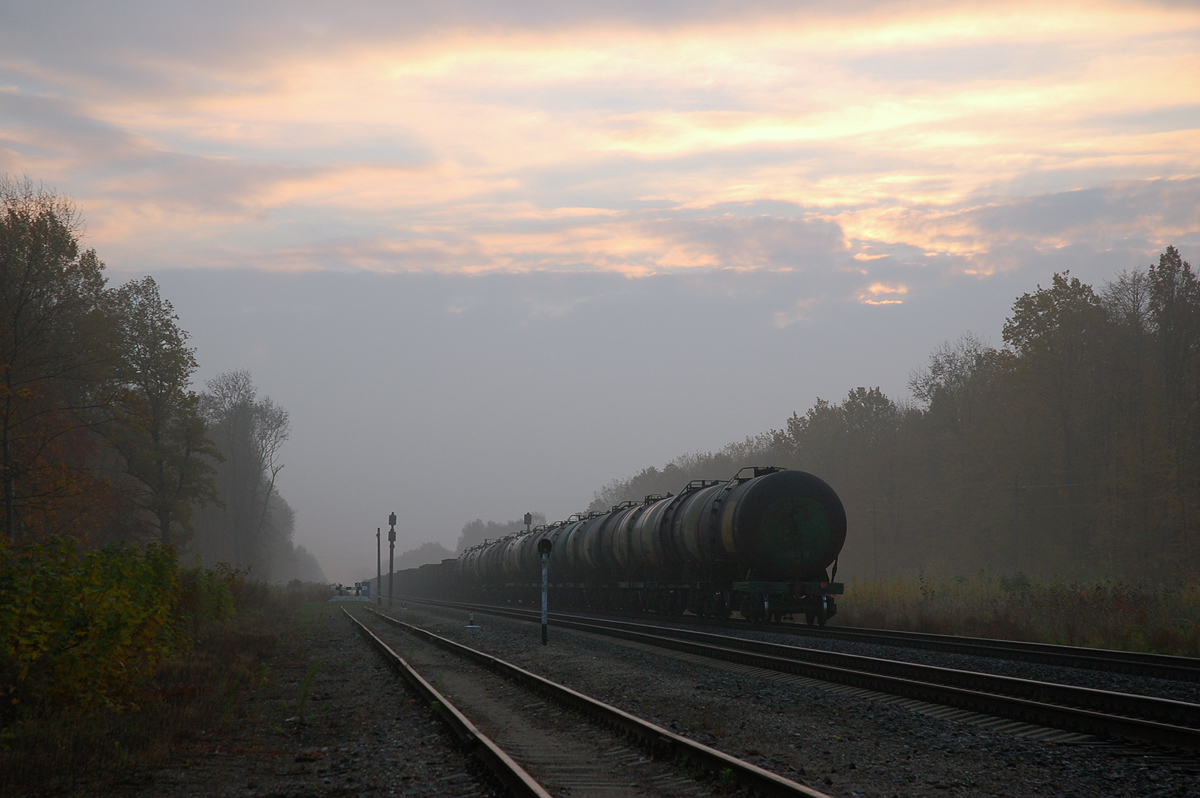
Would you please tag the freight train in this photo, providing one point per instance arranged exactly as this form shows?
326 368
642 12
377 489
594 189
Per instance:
759 544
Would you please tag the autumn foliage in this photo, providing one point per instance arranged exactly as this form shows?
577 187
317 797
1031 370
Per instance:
84 629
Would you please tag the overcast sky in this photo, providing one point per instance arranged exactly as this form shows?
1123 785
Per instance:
493 255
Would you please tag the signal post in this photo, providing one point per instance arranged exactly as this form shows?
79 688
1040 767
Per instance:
391 554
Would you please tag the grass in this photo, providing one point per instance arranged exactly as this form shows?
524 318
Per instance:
306 688
1162 618
67 753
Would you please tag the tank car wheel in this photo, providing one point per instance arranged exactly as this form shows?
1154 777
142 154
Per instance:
823 611
809 618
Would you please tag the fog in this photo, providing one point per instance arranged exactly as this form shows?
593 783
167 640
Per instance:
452 398
492 256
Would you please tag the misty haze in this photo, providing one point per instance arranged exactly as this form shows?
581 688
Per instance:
521 273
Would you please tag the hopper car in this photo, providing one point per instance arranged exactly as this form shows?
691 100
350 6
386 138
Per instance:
760 544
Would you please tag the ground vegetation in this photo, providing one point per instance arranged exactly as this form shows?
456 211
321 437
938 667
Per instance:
1162 618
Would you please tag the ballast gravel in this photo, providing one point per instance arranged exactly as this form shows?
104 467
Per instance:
1099 680
838 743
330 720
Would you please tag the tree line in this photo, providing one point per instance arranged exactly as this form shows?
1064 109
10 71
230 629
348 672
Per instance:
102 437
1071 450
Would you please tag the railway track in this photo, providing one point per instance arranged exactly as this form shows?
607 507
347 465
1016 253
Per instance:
1156 666
585 750
1103 714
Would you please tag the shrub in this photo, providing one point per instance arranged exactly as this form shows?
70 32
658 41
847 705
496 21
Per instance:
83 630
206 597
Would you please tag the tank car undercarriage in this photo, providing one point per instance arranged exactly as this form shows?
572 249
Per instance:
754 601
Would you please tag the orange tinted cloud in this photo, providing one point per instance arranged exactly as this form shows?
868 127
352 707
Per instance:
514 148
882 294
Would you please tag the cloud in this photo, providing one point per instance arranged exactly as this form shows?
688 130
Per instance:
751 242
880 294
1122 219
878 141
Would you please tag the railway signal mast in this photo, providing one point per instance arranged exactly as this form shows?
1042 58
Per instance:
391 554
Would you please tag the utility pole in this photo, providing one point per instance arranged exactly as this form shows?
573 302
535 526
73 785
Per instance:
391 554
378 568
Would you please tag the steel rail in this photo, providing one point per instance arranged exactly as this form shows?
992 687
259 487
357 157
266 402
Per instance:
511 774
654 737
1077 709
1133 663
1161 710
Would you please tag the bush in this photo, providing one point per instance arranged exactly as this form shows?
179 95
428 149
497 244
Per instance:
206 597
79 631
109 658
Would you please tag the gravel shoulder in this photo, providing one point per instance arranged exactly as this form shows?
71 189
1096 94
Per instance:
841 744
326 718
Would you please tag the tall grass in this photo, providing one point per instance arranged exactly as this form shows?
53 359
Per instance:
1103 614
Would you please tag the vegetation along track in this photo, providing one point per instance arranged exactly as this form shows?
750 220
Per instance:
1101 713
583 750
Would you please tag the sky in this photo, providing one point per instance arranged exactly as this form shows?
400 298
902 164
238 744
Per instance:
493 255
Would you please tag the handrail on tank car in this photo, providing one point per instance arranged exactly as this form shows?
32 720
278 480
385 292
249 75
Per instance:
759 471
656 497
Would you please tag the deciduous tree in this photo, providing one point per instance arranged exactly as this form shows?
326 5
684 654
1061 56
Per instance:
249 433
159 430
56 359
